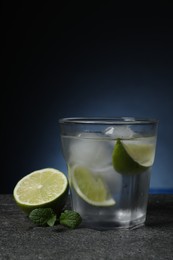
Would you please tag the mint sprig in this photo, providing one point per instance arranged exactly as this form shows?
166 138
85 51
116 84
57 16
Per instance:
47 217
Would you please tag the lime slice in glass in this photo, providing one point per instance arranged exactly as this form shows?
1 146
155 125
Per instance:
90 188
47 188
130 158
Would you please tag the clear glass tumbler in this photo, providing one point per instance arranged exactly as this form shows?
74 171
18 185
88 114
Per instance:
109 164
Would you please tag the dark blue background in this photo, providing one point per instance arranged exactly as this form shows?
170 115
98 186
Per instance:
83 60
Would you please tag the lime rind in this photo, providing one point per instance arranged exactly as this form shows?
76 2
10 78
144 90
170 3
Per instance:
106 203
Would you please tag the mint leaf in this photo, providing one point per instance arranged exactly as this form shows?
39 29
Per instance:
43 216
70 219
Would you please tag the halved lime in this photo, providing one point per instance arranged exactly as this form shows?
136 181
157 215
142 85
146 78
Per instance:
46 188
132 158
90 188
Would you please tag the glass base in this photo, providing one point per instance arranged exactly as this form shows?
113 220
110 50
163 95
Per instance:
111 225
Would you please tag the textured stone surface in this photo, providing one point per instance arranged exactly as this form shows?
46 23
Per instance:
21 239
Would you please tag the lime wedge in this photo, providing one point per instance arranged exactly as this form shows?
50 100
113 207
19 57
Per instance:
90 188
132 158
47 188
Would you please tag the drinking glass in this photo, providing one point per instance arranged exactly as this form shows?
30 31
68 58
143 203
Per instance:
109 163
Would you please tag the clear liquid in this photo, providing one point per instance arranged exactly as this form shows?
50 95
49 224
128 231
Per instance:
129 191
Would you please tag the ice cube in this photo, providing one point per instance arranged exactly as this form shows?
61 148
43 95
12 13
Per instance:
124 132
90 150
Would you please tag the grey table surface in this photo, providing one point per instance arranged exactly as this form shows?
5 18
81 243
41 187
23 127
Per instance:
21 239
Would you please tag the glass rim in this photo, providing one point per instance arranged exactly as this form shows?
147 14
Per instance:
108 120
